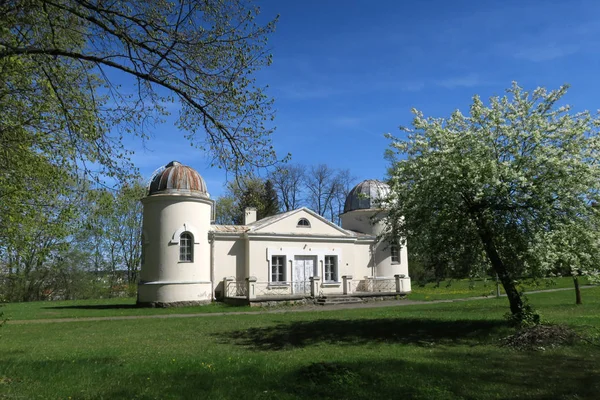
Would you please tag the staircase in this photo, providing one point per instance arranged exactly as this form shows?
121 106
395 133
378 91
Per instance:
336 300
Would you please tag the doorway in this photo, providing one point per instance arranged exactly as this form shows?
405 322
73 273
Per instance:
304 268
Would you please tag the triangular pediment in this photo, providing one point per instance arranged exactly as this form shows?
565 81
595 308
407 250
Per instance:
300 222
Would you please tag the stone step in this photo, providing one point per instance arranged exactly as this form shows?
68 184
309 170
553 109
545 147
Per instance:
330 301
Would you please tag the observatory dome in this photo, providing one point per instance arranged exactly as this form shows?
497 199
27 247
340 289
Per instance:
366 195
177 178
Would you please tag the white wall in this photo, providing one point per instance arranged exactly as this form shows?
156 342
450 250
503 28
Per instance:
363 221
163 278
289 225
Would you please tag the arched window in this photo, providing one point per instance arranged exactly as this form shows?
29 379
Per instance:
395 253
143 251
186 247
303 223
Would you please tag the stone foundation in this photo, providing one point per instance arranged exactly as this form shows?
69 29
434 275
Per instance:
278 301
159 304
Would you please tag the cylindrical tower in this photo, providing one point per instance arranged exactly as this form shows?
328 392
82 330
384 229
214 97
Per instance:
363 212
175 247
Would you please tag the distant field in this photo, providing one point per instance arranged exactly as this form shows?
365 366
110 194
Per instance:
427 351
101 308
462 288
450 289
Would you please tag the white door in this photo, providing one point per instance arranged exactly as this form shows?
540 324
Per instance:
304 267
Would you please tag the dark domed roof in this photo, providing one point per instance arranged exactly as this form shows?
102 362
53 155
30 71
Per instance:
178 178
366 195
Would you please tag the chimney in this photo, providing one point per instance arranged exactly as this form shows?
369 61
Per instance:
249 215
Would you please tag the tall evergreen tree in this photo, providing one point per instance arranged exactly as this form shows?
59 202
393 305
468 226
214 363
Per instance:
270 203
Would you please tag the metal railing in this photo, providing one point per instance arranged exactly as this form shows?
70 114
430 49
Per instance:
236 289
266 289
270 289
373 285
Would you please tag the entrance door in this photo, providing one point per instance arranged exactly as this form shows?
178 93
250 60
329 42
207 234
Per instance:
304 267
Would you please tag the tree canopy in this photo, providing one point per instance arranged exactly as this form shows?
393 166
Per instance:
78 76
61 63
495 187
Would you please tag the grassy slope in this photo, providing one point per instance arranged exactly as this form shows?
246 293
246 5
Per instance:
101 308
431 351
462 288
119 307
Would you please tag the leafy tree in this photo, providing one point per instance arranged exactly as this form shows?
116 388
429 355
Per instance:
202 54
496 183
570 249
125 227
246 192
226 212
258 194
59 250
286 188
64 114
31 248
114 225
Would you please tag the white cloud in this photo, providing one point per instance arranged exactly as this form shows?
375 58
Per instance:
470 80
545 52
347 122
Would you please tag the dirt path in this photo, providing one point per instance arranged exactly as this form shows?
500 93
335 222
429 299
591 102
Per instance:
308 308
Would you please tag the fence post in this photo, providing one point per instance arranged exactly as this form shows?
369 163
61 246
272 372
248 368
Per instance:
314 285
347 280
497 286
400 278
370 283
250 286
226 281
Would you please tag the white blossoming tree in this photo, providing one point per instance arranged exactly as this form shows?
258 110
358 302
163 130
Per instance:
570 249
503 185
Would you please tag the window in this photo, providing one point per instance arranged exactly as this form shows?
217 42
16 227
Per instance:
331 269
186 243
303 223
395 251
278 269
143 249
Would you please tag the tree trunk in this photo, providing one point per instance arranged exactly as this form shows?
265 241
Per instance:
487 239
577 290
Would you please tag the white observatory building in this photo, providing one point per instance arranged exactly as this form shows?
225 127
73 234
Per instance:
290 256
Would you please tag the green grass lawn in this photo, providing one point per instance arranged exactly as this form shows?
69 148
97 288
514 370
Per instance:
450 289
101 308
427 351
462 288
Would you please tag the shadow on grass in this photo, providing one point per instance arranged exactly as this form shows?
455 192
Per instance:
423 332
94 307
449 374
438 373
442 374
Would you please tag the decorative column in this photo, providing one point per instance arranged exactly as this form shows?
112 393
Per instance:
400 280
314 285
347 279
226 281
250 286
398 283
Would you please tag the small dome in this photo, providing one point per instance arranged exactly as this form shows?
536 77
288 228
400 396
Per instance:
366 195
178 178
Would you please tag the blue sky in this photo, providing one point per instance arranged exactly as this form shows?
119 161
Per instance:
347 72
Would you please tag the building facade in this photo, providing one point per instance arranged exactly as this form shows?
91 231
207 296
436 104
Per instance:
293 255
